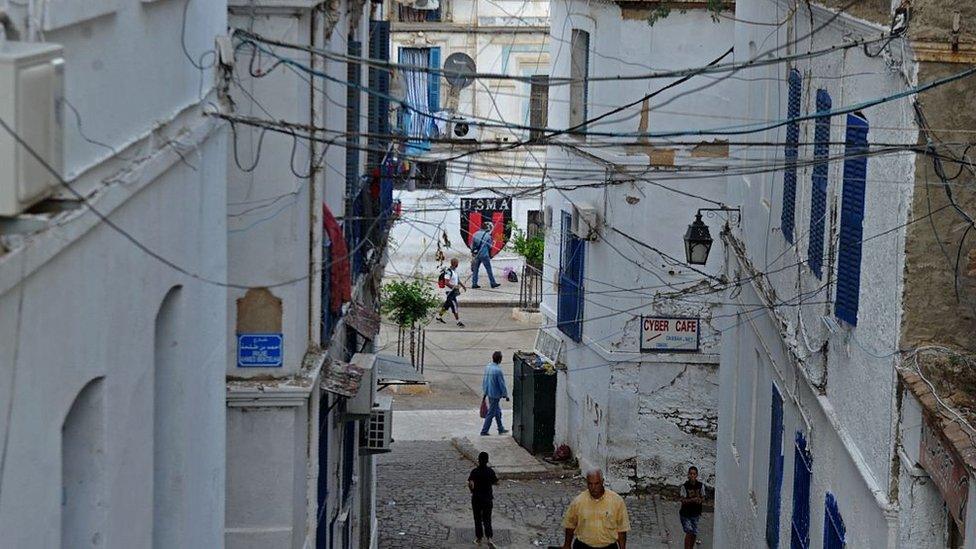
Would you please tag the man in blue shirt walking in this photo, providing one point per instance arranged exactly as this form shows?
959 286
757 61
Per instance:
481 245
493 387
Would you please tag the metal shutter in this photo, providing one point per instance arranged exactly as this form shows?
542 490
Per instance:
852 219
792 138
802 473
818 200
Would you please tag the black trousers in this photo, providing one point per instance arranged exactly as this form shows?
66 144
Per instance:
451 303
577 544
482 517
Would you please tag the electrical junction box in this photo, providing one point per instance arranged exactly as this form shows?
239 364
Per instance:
31 89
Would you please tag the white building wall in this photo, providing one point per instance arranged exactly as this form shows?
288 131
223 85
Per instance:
644 417
79 300
276 191
839 378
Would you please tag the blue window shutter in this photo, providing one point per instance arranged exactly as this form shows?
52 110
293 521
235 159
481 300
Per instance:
818 201
353 100
802 473
378 103
792 138
434 81
775 479
834 530
569 310
852 219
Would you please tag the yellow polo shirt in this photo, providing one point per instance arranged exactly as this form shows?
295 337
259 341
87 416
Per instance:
597 521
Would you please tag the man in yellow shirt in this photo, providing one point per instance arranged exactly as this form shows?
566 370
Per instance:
597 518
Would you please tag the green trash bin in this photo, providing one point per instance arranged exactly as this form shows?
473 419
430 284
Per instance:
533 404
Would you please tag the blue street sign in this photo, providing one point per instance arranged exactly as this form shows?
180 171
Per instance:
259 350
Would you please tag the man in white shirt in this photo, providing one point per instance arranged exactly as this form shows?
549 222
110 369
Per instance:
454 285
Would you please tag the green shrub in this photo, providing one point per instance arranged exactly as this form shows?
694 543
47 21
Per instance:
408 302
533 248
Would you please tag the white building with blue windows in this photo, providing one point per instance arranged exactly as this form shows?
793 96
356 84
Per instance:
831 431
633 328
506 37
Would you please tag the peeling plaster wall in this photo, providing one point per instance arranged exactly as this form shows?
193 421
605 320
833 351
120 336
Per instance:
644 417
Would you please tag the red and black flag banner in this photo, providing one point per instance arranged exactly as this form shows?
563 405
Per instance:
497 210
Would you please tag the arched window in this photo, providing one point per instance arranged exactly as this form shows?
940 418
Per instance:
168 430
83 502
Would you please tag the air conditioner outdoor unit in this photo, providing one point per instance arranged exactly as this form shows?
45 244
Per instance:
378 435
585 222
31 89
463 129
426 4
361 405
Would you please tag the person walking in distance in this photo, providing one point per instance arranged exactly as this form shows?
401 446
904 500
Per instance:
481 251
692 498
597 518
480 481
493 387
454 286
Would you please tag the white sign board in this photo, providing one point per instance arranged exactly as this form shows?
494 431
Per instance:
669 334
549 346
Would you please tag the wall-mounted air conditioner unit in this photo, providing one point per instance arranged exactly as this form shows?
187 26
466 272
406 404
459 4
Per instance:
378 435
426 4
461 128
31 88
361 405
585 222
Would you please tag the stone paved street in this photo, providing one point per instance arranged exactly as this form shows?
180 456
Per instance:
422 499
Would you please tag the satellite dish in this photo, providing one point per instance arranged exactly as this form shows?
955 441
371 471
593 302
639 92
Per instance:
459 70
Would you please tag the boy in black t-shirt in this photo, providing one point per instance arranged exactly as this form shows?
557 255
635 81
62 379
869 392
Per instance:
480 481
692 498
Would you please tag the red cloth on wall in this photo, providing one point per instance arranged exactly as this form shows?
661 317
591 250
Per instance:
340 272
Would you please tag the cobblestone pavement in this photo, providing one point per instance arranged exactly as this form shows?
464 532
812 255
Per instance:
422 502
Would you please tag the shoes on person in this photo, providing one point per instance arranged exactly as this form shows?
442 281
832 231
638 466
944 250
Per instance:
484 434
477 541
475 286
502 431
441 320
490 544
495 285
460 324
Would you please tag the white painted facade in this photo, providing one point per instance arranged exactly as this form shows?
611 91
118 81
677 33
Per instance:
838 382
296 477
644 417
502 37
111 375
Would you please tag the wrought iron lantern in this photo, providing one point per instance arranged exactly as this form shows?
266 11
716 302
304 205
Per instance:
698 241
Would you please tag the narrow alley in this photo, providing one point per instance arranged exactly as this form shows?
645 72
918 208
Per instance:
422 500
